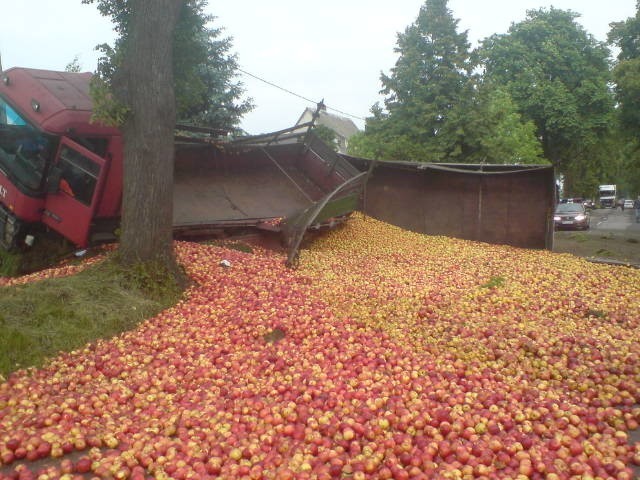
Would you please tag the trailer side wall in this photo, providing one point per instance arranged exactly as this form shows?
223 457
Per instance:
513 207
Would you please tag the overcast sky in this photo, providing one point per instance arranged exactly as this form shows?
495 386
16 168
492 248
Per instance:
334 49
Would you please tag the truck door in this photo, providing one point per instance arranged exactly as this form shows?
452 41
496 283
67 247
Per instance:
78 176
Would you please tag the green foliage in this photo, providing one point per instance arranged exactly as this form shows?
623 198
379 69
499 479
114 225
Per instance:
274 335
40 319
625 36
427 81
49 248
154 279
596 163
10 263
204 71
496 132
361 145
595 313
627 78
578 237
436 111
626 75
231 245
106 109
73 66
328 135
557 75
494 282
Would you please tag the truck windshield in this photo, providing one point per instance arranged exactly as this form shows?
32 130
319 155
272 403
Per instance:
24 151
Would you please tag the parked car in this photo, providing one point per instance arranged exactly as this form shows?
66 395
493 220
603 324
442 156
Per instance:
628 203
571 216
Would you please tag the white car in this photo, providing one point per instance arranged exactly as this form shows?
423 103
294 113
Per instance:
628 203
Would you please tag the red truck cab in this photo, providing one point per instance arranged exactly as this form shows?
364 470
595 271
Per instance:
57 167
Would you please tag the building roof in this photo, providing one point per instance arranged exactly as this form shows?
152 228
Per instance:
341 125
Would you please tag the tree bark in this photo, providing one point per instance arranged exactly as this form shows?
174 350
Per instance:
148 134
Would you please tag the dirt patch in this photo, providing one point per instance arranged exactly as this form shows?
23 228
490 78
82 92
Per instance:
617 246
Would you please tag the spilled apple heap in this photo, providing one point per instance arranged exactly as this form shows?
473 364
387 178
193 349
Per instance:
403 356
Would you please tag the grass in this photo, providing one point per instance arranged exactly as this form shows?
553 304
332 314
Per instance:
40 319
578 237
48 250
232 245
494 282
595 313
10 263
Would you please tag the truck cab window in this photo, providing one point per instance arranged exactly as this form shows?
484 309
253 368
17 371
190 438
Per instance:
79 175
24 151
97 145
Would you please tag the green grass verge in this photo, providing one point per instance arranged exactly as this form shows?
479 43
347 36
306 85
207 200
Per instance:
48 250
10 263
579 237
40 319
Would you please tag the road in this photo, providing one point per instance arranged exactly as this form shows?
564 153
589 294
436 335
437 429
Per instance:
614 220
613 235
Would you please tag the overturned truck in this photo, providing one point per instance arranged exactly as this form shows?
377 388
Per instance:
60 171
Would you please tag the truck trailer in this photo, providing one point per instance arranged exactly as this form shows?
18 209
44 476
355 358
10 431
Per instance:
607 196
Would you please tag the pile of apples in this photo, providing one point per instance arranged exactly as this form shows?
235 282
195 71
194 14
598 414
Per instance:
385 355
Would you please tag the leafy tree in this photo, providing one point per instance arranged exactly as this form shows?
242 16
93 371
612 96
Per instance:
429 77
496 132
204 70
73 65
625 35
139 77
435 111
164 65
626 74
558 76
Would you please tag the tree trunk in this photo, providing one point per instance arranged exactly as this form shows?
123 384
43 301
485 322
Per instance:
148 134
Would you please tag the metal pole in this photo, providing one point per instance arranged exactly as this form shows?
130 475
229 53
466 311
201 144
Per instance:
287 175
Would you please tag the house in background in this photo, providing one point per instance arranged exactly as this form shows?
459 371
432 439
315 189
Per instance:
343 127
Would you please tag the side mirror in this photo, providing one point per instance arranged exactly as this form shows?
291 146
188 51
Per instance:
53 180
